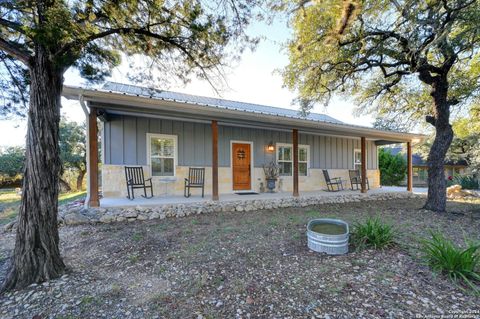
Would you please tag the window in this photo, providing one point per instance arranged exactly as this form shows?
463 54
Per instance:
162 154
285 159
357 159
415 172
420 173
303 160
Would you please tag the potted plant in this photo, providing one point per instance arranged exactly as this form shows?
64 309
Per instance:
271 171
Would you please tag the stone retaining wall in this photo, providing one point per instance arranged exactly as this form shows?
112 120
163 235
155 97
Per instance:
78 216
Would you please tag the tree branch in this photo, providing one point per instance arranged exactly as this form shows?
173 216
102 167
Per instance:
12 25
453 101
430 119
15 51
384 35
139 31
460 7
15 80
426 77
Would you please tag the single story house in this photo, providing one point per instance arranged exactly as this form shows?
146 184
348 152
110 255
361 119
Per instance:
167 133
420 168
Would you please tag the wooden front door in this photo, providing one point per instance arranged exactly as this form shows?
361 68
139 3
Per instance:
241 170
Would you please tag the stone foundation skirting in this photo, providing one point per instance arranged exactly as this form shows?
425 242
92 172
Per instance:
114 185
78 216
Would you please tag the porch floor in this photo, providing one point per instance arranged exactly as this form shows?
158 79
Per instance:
196 198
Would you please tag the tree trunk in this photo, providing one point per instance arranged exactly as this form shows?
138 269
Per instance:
437 196
80 177
36 256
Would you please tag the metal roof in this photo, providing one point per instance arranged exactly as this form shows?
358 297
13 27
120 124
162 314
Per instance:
213 102
118 98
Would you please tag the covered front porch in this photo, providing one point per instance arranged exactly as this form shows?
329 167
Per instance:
205 136
112 202
216 176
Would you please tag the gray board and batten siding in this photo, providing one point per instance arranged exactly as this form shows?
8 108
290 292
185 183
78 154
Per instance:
125 143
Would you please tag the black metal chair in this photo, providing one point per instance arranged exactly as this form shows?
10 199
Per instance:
332 182
196 179
136 180
356 179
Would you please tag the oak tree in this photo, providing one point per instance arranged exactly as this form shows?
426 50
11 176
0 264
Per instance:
402 59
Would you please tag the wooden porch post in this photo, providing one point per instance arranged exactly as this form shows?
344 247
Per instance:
214 160
295 162
409 167
93 200
364 164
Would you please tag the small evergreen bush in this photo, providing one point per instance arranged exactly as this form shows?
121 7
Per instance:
393 168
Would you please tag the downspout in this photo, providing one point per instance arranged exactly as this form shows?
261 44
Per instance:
82 103
87 148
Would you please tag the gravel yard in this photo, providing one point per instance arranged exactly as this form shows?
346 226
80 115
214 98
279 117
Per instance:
247 265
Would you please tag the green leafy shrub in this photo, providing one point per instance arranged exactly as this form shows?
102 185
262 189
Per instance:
373 233
457 263
467 182
393 168
11 166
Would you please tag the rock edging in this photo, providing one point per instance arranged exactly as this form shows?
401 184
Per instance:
80 215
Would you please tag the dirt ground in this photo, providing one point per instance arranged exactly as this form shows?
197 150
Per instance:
248 265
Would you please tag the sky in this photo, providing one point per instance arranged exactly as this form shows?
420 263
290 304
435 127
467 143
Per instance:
255 79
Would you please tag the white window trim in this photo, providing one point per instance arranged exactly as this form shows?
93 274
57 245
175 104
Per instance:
277 145
359 151
175 151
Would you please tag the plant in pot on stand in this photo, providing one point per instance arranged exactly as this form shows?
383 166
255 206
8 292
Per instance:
271 171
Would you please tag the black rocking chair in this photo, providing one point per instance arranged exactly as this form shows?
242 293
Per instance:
136 180
196 179
356 179
331 182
